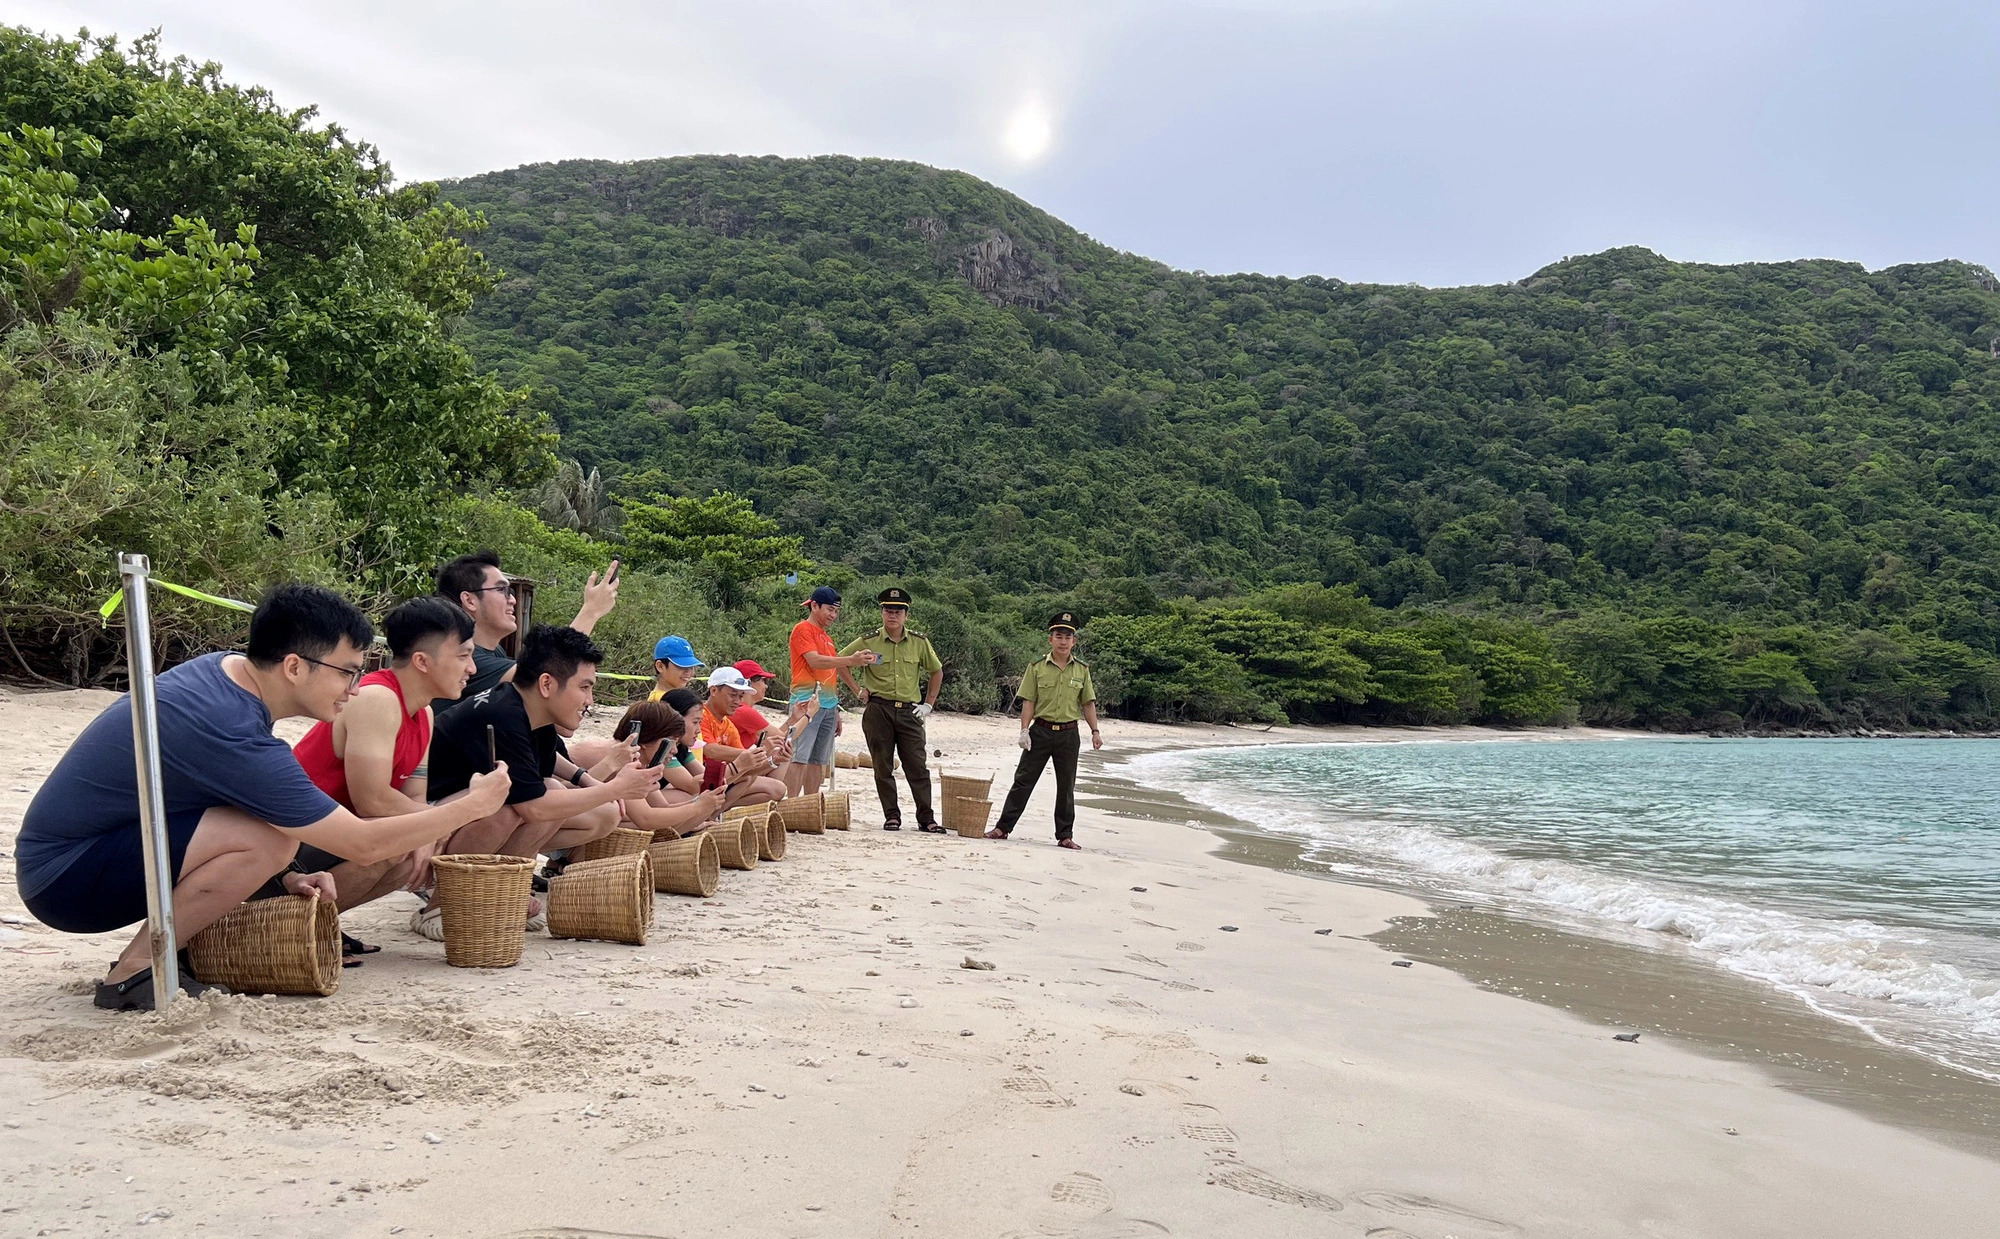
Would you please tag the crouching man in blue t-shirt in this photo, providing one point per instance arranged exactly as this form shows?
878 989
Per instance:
237 802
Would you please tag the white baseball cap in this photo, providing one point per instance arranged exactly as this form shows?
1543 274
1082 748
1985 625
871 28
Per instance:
727 677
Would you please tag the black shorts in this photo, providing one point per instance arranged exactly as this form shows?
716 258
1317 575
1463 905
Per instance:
104 888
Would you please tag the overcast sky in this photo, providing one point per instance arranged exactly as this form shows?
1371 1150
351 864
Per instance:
1435 141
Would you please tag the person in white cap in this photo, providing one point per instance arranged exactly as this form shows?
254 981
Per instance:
726 761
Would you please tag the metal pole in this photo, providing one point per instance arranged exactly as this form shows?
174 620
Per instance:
133 572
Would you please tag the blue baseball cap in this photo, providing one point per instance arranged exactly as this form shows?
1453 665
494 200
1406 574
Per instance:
677 651
826 596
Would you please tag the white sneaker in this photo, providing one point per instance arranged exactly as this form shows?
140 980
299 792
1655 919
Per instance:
429 923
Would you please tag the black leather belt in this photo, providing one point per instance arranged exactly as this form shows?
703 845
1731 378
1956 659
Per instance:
1069 726
891 701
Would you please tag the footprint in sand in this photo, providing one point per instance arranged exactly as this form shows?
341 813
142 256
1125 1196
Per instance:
1033 1089
1147 959
1238 1177
1189 946
1139 905
1081 1193
1199 1122
1387 1232
1408 1205
1012 923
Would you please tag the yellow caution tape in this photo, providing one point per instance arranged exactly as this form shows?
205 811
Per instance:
118 596
111 604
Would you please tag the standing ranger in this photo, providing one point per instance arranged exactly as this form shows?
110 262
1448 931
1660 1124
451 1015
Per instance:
898 692
1055 691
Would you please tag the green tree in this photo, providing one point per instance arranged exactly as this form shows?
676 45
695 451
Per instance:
722 535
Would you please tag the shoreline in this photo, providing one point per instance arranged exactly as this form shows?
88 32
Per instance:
1653 988
1596 971
807 1055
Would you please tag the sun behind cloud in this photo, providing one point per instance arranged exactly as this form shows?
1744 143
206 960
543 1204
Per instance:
1030 131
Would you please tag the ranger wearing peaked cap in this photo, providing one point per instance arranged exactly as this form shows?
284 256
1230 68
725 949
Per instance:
1055 692
897 694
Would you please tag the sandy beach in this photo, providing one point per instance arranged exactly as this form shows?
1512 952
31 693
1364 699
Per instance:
1165 1045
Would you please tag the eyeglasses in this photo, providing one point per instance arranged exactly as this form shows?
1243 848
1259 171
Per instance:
492 589
353 674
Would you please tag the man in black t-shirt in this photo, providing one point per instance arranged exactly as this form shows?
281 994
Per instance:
476 583
551 802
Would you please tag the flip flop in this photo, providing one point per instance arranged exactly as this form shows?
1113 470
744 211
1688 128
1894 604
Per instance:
996 834
351 945
893 826
933 829
1071 844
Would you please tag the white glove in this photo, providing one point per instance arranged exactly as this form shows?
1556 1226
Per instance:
1026 743
922 710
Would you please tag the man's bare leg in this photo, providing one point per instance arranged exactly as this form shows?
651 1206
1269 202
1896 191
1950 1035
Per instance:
229 857
814 776
586 827
761 790
359 884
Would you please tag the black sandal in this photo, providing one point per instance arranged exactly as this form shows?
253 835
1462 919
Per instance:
352 949
933 829
892 825
135 993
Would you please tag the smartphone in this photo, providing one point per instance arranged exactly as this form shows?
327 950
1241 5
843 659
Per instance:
492 750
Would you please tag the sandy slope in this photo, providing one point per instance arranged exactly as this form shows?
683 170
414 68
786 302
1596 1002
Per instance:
756 1070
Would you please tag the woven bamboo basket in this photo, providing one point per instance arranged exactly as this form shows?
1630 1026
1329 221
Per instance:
736 842
772 842
689 866
967 816
610 899
837 814
621 842
863 760
287 945
952 785
485 904
802 815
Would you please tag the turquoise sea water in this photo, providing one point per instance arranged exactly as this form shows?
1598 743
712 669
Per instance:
1862 876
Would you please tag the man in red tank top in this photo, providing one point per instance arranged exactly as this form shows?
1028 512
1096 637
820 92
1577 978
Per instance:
371 756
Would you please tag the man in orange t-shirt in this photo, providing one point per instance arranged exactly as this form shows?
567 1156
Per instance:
816 664
725 760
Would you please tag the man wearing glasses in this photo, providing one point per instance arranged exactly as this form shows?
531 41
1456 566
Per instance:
236 800
476 583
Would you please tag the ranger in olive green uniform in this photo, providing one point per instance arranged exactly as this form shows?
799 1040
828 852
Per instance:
1055 692
897 694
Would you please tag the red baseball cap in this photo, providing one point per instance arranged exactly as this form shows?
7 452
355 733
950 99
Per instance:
753 671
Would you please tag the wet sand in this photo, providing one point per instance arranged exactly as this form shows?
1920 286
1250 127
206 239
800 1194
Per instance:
1629 986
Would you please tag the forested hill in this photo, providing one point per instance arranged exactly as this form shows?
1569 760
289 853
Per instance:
919 372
